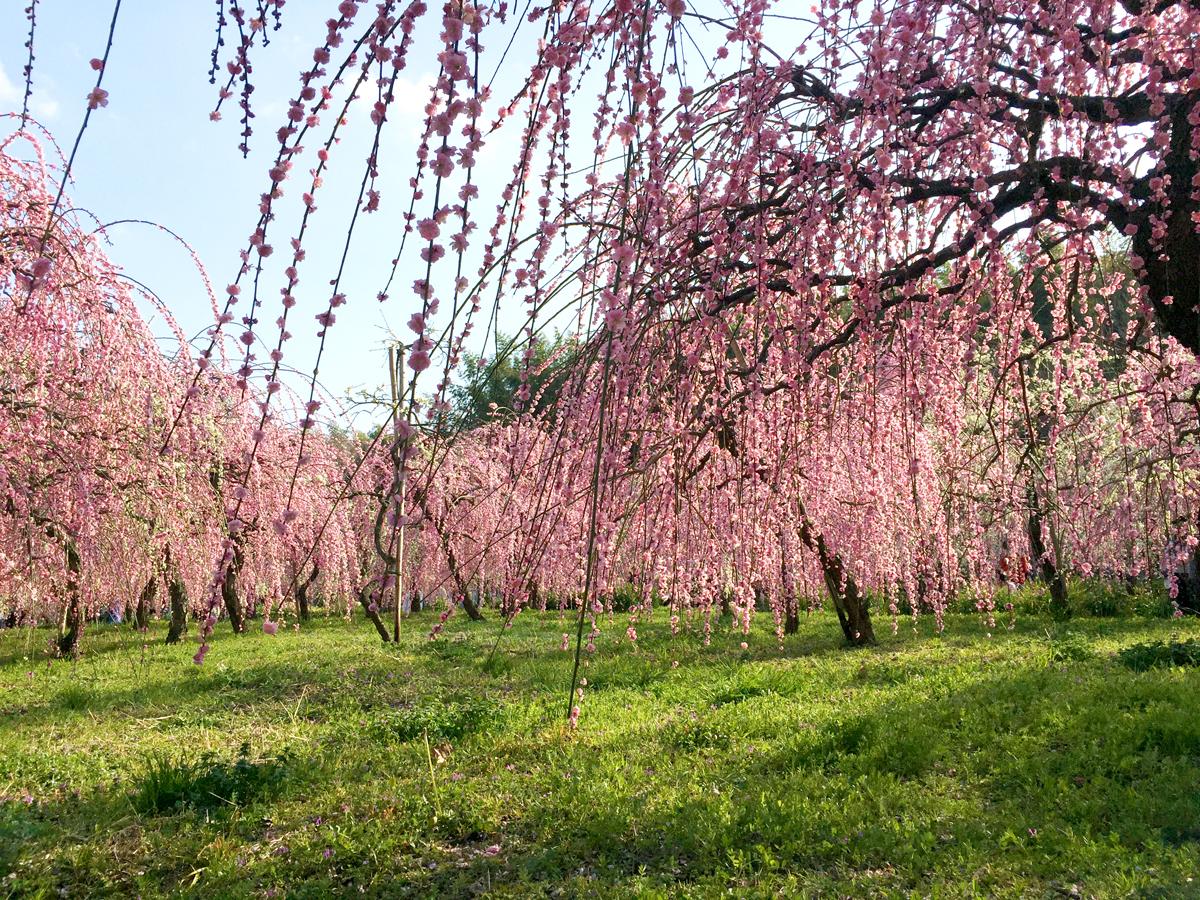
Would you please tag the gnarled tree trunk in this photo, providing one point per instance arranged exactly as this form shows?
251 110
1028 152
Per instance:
1045 561
791 603
177 591
791 613
849 602
229 589
141 613
71 629
364 597
302 590
460 583
856 623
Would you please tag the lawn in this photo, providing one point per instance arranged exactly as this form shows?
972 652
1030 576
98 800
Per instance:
1029 762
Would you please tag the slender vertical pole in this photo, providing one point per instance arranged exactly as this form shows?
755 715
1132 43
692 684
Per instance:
399 452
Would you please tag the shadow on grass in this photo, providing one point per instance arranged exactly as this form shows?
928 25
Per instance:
99 640
195 691
1012 780
1084 773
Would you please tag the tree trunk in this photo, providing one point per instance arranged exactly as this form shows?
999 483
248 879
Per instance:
302 592
141 614
72 624
791 604
364 597
1171 271
791 614
531 603
849 602
1187 581
177 591
177 594
1045 563
229 589
856 623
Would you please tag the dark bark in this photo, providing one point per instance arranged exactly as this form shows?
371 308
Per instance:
762 599
141 613
460 583
849 602
856 625
177 595
364 597
1172 271
177 592
229 589
1031 192
1045 561
70 628
72 624
302 590
791 613
1187 580
791 603
534 595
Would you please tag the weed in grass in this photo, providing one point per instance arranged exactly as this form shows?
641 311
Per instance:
1067 646
75 697
168 783
449 720
1161 654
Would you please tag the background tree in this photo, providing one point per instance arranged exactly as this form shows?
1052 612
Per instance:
512 382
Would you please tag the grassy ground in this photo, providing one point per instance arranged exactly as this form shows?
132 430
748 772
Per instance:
1026 763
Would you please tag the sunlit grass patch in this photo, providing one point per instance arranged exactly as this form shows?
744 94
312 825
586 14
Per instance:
313 763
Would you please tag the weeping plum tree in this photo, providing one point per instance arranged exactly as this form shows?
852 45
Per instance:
92 507
787 241
78 367
822 215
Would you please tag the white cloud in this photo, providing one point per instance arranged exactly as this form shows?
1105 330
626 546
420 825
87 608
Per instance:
408 106
12 95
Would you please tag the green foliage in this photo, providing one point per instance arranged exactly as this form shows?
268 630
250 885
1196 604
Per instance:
704 733
1086 597
1161 654
1103 598
76 697
625 597
449 720
169 783
490 388
1068 646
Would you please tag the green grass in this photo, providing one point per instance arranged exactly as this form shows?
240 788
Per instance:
1025 763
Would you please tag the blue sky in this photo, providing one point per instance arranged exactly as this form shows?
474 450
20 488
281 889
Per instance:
153 154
